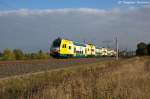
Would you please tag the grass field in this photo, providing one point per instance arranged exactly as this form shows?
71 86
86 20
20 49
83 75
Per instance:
125 79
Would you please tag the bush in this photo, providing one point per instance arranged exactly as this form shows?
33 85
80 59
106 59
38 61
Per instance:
33 56
42 55
19 55
141 49
148 48
27 56
1 55
8 54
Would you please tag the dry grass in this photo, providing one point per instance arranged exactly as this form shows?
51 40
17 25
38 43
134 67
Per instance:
12 68
128 79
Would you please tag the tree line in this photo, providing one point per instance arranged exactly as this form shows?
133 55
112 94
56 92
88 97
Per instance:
18 54
143 49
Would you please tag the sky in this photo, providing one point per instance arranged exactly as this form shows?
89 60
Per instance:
33 24
55 4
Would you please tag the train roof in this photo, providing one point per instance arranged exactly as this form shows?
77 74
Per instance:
77 43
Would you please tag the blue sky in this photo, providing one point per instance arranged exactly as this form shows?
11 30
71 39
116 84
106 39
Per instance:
55 4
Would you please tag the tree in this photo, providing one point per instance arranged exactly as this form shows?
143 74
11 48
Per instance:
8 54
141 49
19 55
34 56
148 48
1 54
57 42
27 56
42 55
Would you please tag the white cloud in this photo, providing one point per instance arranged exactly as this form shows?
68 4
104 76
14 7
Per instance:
49 11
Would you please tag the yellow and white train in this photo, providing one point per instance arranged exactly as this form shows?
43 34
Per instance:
64 48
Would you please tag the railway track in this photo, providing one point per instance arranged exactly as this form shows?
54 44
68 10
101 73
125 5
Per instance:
12 68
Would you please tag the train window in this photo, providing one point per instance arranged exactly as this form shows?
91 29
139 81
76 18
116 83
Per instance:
70 47
74 50
64 46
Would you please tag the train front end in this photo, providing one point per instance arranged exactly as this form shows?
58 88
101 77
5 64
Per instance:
55 48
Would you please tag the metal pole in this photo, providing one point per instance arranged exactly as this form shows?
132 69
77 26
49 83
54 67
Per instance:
117 46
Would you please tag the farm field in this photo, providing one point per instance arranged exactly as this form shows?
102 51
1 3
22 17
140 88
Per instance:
11 68
124 79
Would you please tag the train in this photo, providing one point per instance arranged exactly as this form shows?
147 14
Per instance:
65 48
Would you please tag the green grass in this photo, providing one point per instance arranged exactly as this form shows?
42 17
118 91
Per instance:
128 79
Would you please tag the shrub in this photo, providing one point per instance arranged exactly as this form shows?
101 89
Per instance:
42 55
19 55
148 48
1 55
8 54
33 56
141 49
